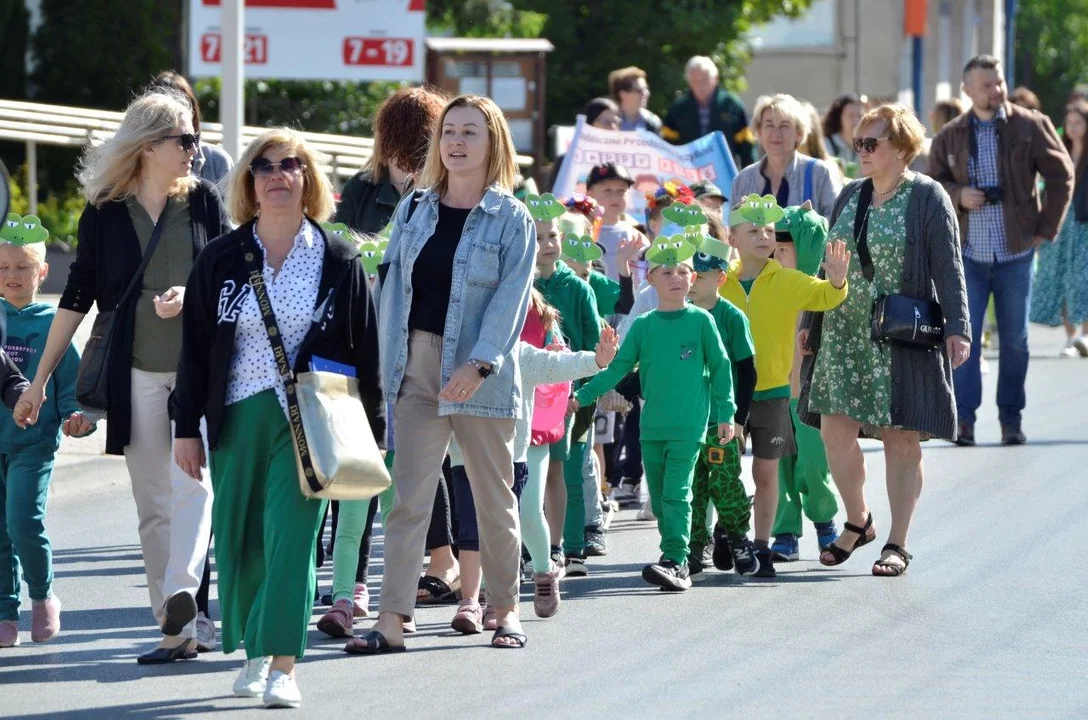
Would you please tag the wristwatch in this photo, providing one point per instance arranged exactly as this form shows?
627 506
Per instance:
482 368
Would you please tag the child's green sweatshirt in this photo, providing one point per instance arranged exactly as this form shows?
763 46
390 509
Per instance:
573 298
681 364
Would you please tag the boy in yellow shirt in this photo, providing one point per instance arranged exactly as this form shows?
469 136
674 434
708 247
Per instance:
772 297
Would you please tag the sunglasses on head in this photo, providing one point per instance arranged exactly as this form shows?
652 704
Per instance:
187 140
263 167
867 144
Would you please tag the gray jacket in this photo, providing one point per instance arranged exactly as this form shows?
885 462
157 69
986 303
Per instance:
825 182
213 163
922 397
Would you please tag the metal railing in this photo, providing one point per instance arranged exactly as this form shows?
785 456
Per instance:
38 124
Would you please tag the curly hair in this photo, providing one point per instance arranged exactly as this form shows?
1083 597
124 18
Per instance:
833 119
402 129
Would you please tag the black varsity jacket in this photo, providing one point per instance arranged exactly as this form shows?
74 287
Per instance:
344 329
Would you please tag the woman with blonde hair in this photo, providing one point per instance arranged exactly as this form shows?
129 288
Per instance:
453 301
781 124
228 375
143 201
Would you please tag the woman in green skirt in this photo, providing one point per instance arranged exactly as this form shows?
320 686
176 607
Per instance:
265 529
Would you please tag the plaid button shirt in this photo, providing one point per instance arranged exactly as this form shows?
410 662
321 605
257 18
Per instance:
986 239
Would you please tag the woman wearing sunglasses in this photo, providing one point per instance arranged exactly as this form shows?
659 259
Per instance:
903 237
138 184
265 528
780 122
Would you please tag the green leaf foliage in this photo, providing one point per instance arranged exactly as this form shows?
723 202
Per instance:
1052 50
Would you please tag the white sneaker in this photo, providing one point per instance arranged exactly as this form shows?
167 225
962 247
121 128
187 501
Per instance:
1070 350
253 678
205 633
1081 344
646 513
281 692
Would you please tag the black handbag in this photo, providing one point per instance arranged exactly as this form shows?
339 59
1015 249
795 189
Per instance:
896 319
92 380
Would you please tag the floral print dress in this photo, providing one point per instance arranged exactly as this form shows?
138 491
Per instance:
852 376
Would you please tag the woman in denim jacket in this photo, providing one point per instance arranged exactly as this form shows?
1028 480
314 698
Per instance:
453 298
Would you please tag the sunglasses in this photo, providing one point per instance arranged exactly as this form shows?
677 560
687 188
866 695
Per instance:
263 167
187 140
867 144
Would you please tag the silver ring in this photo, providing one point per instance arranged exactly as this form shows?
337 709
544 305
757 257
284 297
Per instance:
462 392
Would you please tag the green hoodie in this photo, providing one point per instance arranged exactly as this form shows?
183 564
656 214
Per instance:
574 299
809 232
27 330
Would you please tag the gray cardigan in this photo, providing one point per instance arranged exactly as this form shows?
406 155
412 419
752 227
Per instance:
922 397
825 182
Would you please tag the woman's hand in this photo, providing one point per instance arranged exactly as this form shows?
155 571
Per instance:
463 385
607 347
189 455
77 425
28 405
837 263
802 342
168 305
958 349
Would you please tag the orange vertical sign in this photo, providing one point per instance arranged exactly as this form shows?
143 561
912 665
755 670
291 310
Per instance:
914 18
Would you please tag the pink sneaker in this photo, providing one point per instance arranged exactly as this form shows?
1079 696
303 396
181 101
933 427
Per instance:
337 622
9 633
361 606
45 619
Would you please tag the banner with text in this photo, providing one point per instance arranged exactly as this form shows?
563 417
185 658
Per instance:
651 161
315 39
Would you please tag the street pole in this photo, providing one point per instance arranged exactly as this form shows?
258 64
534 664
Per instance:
232 90
1010 42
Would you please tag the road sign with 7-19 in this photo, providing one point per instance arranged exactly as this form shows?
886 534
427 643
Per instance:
387 52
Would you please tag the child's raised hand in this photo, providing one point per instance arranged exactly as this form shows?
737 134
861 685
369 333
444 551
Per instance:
631 247
607 347
837 263
78 426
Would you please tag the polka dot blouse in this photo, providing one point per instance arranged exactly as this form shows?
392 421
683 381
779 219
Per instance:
293 292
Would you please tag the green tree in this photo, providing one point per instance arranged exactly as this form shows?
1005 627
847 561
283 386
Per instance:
14 27
592 38
1052 50
483 18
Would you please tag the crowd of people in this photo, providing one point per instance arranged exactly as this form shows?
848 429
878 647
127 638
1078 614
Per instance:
540 360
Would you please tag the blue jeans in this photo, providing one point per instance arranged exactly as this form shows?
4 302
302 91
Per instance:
1010 285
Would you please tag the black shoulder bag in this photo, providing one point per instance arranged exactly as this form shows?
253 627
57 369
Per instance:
92 379
896 319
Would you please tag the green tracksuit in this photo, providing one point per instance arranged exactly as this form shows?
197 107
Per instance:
804 482
718 470
682 365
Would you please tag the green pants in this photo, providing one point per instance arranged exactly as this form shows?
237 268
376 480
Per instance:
670 465
265 531
574 523
717 481
349 536
804 482
24 489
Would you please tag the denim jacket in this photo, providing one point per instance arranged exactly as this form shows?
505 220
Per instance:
492 275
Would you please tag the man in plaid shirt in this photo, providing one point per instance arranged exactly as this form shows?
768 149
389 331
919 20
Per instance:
988 160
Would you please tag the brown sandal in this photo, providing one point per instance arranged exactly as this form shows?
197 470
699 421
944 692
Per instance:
865 534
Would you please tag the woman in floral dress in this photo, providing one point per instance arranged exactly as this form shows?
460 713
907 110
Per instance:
854 386
1059 295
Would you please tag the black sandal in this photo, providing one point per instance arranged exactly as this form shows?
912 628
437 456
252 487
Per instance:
864 538
376 644
438 592
896 570
503 632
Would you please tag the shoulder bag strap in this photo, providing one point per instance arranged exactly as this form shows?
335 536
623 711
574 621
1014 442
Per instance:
809 167
156 233
283 364
861 229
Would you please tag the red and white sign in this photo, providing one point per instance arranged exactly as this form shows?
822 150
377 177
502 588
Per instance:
315 39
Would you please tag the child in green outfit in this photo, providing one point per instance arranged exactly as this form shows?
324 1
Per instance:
804 481
682 366
718 470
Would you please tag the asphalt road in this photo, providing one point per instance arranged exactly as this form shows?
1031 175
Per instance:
990 621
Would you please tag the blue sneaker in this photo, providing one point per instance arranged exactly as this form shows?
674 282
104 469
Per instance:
785 548
826 533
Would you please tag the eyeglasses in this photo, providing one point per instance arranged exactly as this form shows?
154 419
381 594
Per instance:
867 144
187 140
263 167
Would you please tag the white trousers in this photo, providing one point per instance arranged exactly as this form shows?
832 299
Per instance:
175 511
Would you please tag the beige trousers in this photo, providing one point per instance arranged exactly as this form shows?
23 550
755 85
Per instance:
175 511
423 438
